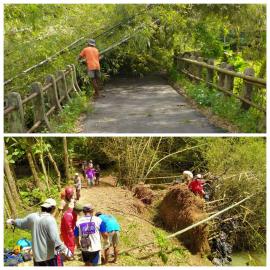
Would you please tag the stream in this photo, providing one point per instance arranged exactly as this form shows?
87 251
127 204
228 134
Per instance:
248 259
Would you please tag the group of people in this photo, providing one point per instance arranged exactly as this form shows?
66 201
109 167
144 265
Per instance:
195 184
91 173
81 228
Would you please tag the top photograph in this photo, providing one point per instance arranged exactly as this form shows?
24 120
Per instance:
130 68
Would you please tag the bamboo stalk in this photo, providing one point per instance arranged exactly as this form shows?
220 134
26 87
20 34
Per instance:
191 226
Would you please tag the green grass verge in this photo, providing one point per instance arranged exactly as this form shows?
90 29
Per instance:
228 108
65 121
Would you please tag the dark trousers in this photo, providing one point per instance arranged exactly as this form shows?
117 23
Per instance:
56 261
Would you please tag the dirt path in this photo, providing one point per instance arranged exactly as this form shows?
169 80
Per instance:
144 105
136 227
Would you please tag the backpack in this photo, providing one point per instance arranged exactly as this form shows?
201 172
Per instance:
24 243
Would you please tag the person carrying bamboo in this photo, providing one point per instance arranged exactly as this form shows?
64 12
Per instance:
91 55
47 246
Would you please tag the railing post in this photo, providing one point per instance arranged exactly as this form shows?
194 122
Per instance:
16 117
72 79
62 85
247 88
199 68
210 72
39 105
221 76
75 78
229 80
192 67
52 93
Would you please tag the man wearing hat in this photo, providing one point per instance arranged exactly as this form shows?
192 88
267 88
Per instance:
68 223
91 55
87 232
45 237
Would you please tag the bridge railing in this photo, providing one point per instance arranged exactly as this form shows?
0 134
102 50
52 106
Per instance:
44 100
222 78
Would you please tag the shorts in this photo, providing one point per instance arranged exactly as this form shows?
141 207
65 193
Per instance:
56 261
91 257
114 237
94 74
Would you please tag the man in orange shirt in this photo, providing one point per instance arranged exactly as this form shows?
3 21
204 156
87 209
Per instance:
91 55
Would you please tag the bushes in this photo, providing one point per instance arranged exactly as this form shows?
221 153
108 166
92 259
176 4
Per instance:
227 107
66 120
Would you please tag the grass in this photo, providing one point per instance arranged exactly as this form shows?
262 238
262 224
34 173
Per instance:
228 108
66 120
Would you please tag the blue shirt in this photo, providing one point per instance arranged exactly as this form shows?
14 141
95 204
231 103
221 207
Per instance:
110 223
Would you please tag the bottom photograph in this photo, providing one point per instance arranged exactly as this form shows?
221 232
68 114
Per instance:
134 201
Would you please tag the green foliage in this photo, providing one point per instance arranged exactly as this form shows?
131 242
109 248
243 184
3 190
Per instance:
36 196
229 108
242 164
34 32
66 120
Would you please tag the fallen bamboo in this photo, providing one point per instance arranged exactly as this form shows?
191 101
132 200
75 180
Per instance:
191 226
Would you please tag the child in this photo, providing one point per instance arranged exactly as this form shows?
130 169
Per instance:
97 175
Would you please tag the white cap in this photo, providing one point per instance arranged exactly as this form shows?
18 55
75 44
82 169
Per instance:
188 173
76 174
199 176
49 203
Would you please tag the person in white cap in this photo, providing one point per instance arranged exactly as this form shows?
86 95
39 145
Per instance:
47 245
188 176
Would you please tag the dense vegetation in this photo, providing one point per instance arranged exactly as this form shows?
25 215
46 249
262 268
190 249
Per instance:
39 167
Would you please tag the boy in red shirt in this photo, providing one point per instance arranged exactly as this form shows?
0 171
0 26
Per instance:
91 55
68 223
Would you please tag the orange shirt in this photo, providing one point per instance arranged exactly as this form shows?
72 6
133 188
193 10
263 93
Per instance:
91 55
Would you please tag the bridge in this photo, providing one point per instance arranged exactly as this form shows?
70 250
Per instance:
132 105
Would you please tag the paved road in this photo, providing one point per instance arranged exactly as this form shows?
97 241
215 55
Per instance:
144 105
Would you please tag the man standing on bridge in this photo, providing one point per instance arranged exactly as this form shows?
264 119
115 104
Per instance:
91 55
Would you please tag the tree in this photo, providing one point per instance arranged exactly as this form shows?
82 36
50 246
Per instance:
66 159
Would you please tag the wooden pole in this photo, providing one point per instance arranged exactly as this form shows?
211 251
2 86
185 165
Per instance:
191 226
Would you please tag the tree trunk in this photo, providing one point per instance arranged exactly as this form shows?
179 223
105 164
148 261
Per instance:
66 162
41 160
10 179
56 170
7 209
10 199
33 168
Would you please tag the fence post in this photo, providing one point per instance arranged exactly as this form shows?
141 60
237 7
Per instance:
221 76
72 79
75 78
39 105
247 88
62 85
229 80
210 72
199 68
52 93
192 67
16 117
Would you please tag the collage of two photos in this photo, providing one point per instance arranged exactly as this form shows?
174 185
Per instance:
131 135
